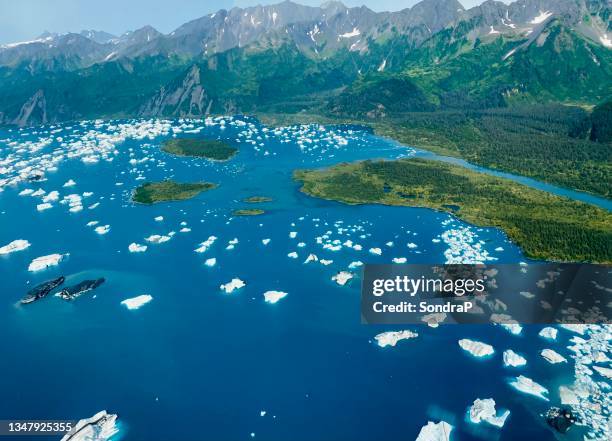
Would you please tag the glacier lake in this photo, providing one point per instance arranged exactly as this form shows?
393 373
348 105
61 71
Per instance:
193 361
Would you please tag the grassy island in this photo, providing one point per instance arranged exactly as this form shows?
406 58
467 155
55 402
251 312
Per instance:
258 199
544 225
152 192
202 148
248 212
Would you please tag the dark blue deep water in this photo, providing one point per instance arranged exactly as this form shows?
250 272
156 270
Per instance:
196 363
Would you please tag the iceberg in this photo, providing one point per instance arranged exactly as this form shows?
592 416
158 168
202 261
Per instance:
265 241
433 320
234 284
14 246
137 248
435 432
100 427
376 251
311 258
355 264
530 387
204 246
476 348
342 277
274 296
159 219
293 255
102 229
69 183
484 410
606 372
44 262
392 337
513 359
210 262
549 333
43 207
156 238
552 356
399 260
137 302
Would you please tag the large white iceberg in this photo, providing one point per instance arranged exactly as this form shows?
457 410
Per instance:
342 277
274 296
484 410
137 302
548 333
232 285
14 246
44 262
513 359
100 427
476 348
528 386
137 248
552 356
392 337
435 432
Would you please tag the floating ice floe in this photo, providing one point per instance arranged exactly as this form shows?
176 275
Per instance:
355 264
14 246
156 238
274 296
44 262
293 255
342 277
265 241
530 387
102 229
204 246
210 262
69 183
476 348
137 248
606 372
484 410
548 333
185 230
391 338
43 207
293 234
232 285
376 251
311 258
326 262
100 427
399 260
435 432
137 302
552 356
159 219
433 320
513 359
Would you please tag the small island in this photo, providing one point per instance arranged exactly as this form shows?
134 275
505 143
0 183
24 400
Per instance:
152 192
248 212
201 148
258 199
546 226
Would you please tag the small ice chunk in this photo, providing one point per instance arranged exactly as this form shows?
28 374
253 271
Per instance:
102 229
552 356
355 264
137 302
293 255
476 348
265 241
137 248
392 337
376 251
159 219
210 262
342 277
311 258
156 238
43 207
69 183
14 246
293 234
513 359
232 285
274 296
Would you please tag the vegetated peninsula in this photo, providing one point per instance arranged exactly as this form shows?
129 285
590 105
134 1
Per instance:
544 225
202 148
152 192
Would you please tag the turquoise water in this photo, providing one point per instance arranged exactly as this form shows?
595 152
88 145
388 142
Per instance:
196 363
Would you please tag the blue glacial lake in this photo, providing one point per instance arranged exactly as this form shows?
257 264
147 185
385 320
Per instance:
198 363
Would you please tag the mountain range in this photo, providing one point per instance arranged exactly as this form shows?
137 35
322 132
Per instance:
288 58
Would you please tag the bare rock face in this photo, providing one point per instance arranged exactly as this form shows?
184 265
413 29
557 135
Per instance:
186 98
33 111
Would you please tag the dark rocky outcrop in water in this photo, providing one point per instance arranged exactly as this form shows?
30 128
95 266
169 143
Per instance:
42 290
